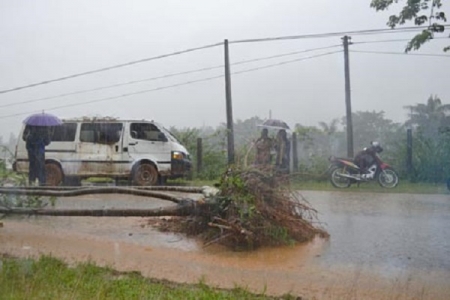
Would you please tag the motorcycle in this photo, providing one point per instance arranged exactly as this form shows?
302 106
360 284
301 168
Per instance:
344 172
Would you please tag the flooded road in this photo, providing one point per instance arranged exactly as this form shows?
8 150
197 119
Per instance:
387 231
382 246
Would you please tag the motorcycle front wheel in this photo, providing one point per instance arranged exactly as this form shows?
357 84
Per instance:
337 180
388 178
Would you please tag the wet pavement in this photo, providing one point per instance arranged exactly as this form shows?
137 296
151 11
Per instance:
381 246
393 232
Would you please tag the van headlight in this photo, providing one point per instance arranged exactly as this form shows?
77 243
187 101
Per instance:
178 155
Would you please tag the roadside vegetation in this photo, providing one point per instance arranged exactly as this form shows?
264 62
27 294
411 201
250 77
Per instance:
49 278
429 122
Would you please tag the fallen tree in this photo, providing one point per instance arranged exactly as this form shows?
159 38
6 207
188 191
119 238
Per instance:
71 192
176 210
253 208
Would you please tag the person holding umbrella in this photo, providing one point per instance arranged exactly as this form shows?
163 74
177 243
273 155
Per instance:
281 144
37 136
283 147
263 146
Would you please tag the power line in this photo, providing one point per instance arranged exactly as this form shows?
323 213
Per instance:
173 85
166 76
306 36
108 68
285 54
285 62
109 86
401 53
332 34
393 40
120 96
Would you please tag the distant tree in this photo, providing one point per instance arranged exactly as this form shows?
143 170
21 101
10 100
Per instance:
429 118
307 133
420 12
431 158
331 128
245 131
371 126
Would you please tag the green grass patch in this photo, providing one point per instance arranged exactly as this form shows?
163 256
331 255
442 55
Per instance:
374 187
324 185
49 278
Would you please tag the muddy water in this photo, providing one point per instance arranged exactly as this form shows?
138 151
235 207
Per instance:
381 247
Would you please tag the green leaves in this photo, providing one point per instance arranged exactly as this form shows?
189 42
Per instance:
419 12
420 39
381 4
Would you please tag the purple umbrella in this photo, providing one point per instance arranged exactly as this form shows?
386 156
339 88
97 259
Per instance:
42 119
274 124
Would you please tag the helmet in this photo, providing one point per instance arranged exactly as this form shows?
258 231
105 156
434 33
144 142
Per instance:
376 146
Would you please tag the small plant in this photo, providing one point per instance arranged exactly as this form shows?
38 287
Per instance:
9 178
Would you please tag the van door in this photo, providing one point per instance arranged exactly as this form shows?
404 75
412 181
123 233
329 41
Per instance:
63 147
146 141
100 149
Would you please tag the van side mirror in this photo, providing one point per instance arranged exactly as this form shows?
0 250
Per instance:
162 137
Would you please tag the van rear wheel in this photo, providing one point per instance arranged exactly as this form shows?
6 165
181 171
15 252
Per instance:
145 174
53 174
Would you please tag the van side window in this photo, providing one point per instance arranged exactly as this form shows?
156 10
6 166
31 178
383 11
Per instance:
42 131
101 133
64 133
145 131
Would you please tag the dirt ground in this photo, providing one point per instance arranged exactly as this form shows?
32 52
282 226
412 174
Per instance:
277 270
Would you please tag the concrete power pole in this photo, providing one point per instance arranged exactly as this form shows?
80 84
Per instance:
348 100
230 131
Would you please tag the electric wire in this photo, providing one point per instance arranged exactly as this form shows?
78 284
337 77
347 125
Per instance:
164 76
108 68
333 34
306 36
173 85
393 40
286 62
401 53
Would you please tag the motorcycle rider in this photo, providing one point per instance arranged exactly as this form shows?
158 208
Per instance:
367 157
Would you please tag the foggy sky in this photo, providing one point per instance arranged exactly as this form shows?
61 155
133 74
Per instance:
46 39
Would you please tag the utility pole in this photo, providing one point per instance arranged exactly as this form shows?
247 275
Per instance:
230 132
348 100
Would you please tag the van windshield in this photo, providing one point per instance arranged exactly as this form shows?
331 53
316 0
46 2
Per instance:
171 136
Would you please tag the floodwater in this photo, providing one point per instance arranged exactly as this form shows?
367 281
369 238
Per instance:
381 246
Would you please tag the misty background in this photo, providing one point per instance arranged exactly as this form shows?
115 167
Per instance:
50 39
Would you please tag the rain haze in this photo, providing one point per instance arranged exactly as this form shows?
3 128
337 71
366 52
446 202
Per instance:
50 39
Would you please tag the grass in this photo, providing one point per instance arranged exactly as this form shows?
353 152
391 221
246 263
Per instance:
324 185
49 278
372 187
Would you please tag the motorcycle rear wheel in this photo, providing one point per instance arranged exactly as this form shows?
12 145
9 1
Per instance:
388 178
338 181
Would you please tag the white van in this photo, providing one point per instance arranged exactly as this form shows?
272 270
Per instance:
142 151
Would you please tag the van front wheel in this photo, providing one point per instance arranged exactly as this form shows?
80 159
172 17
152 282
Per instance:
145 174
